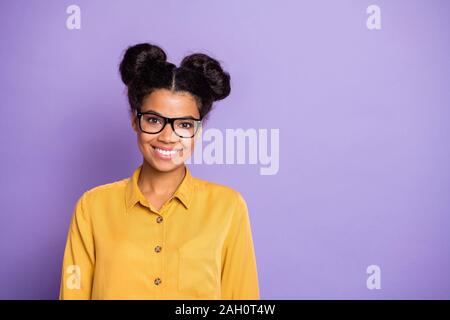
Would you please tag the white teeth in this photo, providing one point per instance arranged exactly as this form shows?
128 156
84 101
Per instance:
166 152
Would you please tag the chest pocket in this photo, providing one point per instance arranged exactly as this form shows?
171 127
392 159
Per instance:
198 272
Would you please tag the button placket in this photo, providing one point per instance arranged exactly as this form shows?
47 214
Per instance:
157 249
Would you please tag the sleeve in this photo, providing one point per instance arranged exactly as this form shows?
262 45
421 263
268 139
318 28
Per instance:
79 256
239 272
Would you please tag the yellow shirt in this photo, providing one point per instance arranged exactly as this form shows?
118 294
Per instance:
197 246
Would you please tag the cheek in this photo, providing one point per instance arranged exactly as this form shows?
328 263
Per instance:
188 144
145 139
144 142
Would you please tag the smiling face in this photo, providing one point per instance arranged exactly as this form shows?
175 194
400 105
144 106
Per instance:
165 151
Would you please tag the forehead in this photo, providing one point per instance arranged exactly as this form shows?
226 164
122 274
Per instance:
170 104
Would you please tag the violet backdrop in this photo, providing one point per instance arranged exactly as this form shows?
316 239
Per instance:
363 116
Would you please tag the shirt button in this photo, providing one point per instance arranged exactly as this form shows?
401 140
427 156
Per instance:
159 219
157 281
158 249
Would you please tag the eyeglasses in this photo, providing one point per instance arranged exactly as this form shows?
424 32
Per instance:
184 127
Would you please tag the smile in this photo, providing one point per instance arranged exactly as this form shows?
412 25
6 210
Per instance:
166 153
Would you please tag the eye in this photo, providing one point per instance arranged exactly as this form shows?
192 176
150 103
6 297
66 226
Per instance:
153 119
186 125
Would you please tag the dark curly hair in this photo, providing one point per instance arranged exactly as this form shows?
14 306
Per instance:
144 68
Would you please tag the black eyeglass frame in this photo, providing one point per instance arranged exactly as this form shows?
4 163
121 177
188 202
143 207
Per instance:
167 120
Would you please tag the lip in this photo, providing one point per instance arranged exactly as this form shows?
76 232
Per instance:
165 156
167 149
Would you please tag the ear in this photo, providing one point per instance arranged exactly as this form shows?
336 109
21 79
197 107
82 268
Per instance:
134 123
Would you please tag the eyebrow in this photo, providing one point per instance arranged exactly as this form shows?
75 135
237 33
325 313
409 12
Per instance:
159 114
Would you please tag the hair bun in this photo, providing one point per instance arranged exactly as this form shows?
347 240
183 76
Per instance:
138 57
218 80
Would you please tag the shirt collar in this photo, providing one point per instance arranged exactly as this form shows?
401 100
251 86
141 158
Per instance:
133 194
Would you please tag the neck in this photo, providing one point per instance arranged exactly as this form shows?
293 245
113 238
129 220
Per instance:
160 183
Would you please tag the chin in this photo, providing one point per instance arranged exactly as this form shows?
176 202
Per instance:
163 166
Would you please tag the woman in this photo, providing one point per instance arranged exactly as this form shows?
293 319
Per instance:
162 233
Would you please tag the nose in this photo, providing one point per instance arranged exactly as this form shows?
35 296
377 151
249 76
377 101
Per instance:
167 135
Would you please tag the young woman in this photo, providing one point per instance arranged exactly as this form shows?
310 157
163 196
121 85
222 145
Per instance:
162 233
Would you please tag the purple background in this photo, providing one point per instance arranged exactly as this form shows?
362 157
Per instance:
363 116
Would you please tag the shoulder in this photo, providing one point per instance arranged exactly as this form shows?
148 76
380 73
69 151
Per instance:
104 192
218 192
